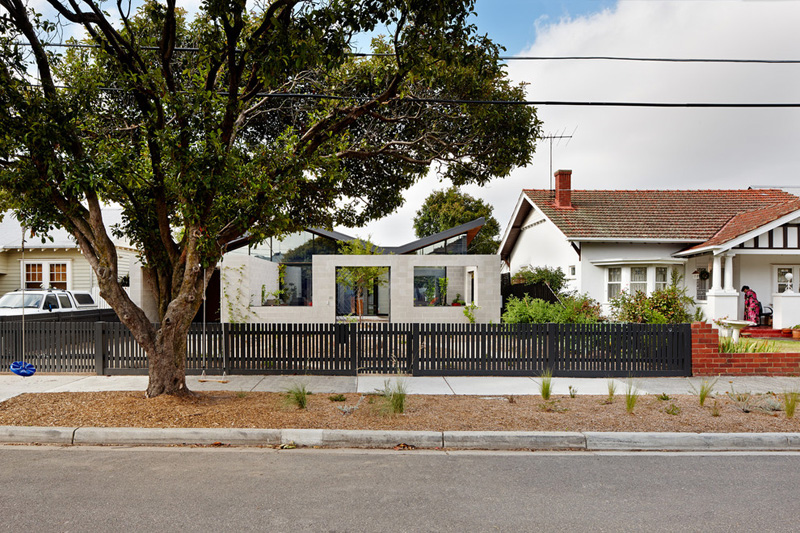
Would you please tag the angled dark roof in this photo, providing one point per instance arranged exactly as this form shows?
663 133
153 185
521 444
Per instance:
470 229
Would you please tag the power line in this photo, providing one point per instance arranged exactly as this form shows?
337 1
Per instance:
650 59
505 58
505 102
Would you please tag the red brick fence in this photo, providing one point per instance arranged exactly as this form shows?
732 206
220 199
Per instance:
708 361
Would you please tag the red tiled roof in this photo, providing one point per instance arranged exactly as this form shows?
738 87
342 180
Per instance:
745 222
690 215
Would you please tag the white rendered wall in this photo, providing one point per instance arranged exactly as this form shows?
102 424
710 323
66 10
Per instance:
541 243
593 277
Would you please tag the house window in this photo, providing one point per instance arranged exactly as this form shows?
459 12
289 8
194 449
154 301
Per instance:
43 275
662 275
430 286
703 278
572 271
786 277
33 276
638 280
614 282
58 276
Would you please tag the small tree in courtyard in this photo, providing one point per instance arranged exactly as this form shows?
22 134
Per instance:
361 279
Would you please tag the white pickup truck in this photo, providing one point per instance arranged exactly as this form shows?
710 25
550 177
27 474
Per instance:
38 301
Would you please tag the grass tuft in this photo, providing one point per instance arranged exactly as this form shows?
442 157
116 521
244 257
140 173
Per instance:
394 396
337 398
297 395
706 389
663 397
612 390
726 345
631 396
673 410
546 384
573 392
790 402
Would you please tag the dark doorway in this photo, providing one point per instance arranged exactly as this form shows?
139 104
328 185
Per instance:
212 306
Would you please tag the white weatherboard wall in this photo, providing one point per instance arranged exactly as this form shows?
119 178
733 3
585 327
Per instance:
541 243
237 278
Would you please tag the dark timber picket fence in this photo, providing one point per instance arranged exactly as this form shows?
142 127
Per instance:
585 350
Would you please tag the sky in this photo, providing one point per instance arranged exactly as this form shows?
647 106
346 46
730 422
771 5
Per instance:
639 148
643 148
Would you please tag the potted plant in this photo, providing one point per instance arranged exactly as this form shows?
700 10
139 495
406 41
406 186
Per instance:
796 331
457 301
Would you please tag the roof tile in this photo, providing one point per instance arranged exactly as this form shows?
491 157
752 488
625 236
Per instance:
690 215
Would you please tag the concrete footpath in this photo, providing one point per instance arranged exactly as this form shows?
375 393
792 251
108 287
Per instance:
11 385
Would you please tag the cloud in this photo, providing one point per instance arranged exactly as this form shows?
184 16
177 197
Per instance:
641 148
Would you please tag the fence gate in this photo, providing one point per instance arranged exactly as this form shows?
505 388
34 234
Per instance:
383 348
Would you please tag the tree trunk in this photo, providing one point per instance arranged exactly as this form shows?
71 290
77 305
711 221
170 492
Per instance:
167 362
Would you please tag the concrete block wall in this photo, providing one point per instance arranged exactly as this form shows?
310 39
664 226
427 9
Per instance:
237 283
708 361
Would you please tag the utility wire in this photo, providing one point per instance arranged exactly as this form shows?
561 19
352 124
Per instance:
504 58
313 96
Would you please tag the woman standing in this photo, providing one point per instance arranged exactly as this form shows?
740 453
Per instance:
752 307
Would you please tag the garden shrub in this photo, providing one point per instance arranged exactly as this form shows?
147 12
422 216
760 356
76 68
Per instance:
664 306
573 309
555 278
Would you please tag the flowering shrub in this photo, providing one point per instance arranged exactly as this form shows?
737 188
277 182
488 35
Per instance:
665 306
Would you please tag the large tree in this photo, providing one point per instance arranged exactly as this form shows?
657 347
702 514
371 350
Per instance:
449 208
244 119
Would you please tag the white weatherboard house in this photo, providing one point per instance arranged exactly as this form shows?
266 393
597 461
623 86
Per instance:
53 260
608 241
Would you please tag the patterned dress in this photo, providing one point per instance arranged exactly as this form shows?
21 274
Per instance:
751 306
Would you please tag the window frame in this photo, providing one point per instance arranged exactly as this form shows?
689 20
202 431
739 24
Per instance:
626 277
776 283
45 266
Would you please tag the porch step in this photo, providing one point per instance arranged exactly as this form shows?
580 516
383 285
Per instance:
763 332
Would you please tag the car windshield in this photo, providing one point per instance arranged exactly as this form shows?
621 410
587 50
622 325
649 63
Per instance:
14 301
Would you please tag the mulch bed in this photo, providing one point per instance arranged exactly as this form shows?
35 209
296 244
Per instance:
435 413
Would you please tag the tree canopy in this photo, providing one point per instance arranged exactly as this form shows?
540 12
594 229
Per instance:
243 119
449 208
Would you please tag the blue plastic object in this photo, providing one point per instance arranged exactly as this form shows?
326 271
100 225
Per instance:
21 368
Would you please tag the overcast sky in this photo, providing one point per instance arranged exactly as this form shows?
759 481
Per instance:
644 148
640 148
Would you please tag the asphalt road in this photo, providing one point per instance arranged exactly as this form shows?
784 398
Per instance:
243 489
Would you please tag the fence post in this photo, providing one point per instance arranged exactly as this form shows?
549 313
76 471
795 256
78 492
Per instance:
415 349
99 349
226 344
352 340
552 347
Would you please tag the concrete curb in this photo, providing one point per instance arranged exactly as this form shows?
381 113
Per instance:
513 440
465 440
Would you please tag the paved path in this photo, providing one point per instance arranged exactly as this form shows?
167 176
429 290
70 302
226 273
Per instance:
12 385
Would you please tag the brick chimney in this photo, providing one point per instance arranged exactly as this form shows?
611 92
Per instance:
563 188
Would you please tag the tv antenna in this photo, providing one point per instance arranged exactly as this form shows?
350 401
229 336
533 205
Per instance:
557 137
